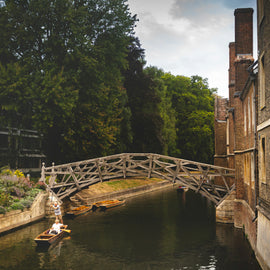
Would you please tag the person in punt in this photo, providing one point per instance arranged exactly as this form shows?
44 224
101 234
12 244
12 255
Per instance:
56 227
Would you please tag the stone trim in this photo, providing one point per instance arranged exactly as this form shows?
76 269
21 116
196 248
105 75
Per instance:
264 211
244 151
263 125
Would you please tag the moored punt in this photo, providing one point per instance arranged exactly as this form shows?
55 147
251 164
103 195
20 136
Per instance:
107 204
182 188
46 239
79 211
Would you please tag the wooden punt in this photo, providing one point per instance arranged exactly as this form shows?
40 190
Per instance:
46 239
79 211
103 205
182 188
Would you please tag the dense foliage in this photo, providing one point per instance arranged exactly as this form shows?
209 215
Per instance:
16 191
74 71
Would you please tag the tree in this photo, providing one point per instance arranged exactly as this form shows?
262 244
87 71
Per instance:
167 112
143 101
72 54
193 103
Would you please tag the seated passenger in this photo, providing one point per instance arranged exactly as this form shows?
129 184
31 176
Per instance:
56 227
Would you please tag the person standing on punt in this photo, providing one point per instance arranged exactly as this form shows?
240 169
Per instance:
57 211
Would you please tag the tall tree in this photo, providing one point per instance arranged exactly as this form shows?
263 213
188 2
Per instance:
73 52
193 103
144 103
167 112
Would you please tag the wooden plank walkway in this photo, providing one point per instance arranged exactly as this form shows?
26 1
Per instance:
213 182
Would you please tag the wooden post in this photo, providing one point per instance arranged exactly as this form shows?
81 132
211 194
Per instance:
99 171
124 167
176 172
150 166
74 178
42 178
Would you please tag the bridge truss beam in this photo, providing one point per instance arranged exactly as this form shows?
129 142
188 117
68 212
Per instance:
213 182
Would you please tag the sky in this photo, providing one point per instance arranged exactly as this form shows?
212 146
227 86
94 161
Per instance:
190 37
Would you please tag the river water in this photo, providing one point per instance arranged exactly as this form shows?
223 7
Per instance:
161 230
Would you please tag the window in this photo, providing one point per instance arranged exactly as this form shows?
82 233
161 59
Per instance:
249 116
245 120
252 168
253 111
262 82
263 160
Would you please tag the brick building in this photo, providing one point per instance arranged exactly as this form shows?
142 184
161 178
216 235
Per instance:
242 129
263 129
235 124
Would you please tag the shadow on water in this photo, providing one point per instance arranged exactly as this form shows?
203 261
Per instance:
161 230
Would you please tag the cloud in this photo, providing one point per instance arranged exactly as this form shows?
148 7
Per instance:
233 4
188 37
196 10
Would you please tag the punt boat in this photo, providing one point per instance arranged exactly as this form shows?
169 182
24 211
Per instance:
103 205
47 239
78 211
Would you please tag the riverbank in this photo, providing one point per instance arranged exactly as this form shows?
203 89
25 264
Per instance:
18 218
115 189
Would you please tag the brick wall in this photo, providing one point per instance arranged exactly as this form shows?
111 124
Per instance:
220 131
231 73
244 219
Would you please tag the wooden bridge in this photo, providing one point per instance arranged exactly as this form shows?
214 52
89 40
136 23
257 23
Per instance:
213 182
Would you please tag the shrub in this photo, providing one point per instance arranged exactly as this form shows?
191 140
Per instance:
17 206
5 199
40 185
6 171
16 191
2 210
26 202
32 193
19 174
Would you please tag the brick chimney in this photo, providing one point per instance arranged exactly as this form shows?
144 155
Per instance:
244 31
243 45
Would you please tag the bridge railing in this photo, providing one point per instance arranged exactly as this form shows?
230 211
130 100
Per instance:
212 181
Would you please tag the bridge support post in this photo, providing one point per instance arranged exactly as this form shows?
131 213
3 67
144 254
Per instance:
125 167
42 178
99 171
225 210
150 166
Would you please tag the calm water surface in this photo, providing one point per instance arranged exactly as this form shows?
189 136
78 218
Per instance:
161 230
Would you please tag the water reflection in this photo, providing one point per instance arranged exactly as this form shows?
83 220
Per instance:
162 230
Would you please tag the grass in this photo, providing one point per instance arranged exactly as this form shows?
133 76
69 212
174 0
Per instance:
119 184
130 183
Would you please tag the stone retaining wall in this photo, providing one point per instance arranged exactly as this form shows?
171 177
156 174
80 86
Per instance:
225 211
40 207
17 218
123 194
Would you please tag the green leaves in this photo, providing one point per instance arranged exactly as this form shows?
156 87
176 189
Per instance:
193 103
61 73
74 71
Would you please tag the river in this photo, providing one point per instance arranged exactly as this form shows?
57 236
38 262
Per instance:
161 230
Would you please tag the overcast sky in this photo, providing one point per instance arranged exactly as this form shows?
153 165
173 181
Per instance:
189 37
